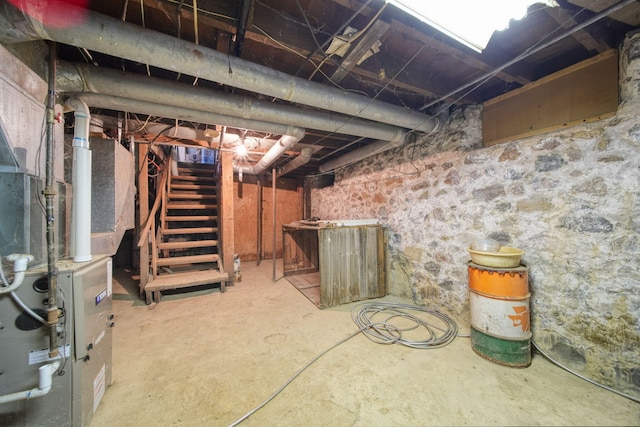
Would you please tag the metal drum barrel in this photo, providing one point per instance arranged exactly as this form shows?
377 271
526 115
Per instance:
499 306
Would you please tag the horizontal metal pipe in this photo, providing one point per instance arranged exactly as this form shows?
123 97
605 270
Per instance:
174 112
83 78
302 159
111 36
357 155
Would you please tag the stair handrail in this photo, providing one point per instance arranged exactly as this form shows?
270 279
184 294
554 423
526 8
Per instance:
157 202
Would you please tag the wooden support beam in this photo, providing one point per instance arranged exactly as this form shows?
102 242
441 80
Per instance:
567 21
227 226
362 46
143 211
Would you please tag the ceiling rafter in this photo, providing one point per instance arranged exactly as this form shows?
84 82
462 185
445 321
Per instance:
566 20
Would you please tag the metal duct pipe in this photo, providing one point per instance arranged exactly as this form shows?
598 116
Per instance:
283 144
124 40
291 134
81 182
174 112
81 78
302 159
357 155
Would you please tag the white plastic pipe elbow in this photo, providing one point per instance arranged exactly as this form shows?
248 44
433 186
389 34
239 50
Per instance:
20 263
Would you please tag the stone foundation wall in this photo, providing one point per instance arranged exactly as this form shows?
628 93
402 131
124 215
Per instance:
569 199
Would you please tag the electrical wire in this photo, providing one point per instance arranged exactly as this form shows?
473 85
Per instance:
383 331
338 31
364 316
560 365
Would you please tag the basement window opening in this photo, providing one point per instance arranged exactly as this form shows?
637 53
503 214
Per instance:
470 22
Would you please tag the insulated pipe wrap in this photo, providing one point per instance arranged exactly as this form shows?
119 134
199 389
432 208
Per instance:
175 112
76 78
121 39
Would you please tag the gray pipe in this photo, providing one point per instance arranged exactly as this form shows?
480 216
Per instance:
302 159
291 134
120 39
357 155
83 78
174 112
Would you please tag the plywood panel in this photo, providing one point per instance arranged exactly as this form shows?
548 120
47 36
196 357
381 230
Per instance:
584 92
288 209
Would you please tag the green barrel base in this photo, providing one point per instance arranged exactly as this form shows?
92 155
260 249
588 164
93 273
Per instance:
514 353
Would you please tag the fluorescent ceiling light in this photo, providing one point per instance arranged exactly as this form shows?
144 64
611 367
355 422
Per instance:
471 22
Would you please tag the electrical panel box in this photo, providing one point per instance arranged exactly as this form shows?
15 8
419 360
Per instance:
85 341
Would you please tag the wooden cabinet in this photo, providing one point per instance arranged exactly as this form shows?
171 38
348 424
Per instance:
336 265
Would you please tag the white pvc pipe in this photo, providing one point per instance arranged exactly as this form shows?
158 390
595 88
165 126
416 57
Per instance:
45 380
283 144
20 262
81 199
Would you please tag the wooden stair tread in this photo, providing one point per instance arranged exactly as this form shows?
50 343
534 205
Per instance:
187 245
191 205
192 187
192 230
192 218
190 259
185 280
190 196
192 178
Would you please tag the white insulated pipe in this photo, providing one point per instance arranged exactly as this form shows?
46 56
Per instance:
120 39
283 144
81 183
45 381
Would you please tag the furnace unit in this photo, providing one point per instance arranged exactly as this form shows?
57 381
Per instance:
85 331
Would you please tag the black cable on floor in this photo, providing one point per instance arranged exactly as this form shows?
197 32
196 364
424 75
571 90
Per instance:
374 320
555 362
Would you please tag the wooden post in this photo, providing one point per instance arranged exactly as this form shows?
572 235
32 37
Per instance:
259 219
143 211
274 178
227 226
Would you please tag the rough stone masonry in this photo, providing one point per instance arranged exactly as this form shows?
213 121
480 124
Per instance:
569 199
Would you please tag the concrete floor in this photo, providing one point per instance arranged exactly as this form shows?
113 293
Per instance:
206 359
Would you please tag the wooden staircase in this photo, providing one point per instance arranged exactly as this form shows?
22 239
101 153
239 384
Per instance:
186 241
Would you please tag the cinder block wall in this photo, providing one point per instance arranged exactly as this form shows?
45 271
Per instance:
570 199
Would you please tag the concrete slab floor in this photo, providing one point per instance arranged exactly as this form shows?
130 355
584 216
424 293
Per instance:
206 358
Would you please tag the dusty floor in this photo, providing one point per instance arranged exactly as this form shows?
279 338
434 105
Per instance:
206 359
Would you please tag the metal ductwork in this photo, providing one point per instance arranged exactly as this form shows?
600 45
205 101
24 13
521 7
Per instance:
175 112
111 36
302 159
357 155
81 78
291 134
